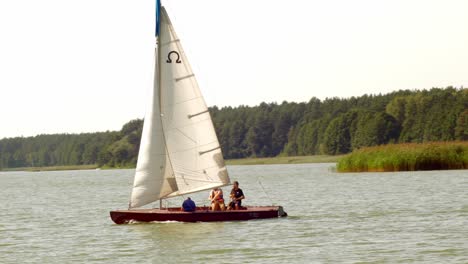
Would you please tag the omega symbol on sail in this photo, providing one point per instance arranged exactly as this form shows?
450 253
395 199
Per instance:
169 60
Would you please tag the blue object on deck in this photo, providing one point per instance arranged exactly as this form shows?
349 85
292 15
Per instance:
158 15
189 205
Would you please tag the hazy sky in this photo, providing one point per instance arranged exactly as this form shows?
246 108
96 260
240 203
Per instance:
69 66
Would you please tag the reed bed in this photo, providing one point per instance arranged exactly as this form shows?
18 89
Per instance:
407 157
284 160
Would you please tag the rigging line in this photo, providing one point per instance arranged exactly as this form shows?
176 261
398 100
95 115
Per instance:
266 194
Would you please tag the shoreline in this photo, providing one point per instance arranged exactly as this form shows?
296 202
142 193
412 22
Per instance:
53 168
246 161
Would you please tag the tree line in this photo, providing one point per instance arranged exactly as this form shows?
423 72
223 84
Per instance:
331 126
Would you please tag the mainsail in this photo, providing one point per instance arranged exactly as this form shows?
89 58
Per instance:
179 150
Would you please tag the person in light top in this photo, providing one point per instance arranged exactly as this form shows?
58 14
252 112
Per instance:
217 200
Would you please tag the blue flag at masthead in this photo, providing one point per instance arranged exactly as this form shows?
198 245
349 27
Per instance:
158 15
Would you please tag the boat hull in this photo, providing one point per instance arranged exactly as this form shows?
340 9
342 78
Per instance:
202 214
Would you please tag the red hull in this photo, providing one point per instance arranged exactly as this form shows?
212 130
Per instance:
202 214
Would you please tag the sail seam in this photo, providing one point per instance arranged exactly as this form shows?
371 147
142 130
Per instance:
175 152
182 102
189 125
193 140
198 172
191 177
204 181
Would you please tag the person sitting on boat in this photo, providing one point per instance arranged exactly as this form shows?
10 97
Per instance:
217 200
236 196
211 196
188 205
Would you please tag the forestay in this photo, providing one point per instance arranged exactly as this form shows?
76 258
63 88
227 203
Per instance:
179 150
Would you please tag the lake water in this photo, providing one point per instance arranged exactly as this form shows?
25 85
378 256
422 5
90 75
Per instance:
417 217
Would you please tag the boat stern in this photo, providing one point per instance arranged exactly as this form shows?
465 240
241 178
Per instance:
281 212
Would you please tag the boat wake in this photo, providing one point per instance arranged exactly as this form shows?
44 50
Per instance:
135 222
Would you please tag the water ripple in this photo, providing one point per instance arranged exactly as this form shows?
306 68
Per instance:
417 217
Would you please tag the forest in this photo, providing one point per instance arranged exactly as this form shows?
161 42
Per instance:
331 126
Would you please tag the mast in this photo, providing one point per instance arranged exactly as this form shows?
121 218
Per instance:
158 76
157 71
158 80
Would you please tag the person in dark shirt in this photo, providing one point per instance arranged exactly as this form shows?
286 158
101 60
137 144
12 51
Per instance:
188 205
236 196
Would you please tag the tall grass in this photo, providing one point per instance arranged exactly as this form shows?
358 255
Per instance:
407 157
284 160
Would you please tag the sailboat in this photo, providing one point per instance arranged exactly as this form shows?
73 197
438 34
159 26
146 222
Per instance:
179 151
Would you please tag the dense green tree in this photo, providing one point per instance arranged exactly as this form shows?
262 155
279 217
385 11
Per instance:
330 126
461 130
374 128
338 134
396 108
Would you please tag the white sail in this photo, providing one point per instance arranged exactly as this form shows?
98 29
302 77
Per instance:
154 174
193 146
179 150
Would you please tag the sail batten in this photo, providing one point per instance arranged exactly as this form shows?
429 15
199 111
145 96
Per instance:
179 151
210 150
197 114
169 42
184 77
